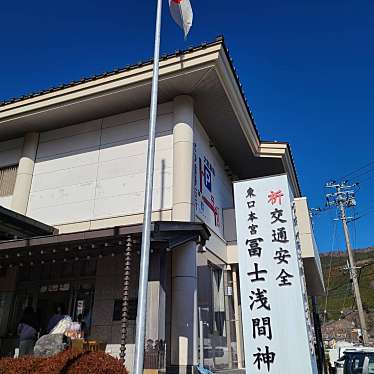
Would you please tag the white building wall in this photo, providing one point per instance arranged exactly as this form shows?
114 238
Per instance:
10 153
6 201
221 185
96 169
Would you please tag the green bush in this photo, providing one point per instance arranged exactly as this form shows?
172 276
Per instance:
67 362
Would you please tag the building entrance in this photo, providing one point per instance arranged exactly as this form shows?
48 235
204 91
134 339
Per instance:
46 286
47 306
75 300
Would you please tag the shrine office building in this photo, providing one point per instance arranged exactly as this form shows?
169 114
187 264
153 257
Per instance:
72 177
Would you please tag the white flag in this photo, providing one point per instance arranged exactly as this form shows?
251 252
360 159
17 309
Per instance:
182 14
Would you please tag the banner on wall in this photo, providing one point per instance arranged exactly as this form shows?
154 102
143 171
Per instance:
276 323
206 197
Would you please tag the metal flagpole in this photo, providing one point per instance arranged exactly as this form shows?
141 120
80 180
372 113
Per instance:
145 248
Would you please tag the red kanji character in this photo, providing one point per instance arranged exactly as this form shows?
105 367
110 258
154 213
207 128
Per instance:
275 196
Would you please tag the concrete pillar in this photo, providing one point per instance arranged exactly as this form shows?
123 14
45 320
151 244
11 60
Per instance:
25 171
155 317
183 158
184 324
153 308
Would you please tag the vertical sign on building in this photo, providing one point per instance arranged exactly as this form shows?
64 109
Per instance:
206 196
275 318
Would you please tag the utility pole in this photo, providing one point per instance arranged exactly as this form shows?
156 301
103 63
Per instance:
342 198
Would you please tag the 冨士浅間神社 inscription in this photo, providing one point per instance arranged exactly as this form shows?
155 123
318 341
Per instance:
275 316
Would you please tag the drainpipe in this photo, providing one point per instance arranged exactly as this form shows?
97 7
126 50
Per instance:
238 331
227 314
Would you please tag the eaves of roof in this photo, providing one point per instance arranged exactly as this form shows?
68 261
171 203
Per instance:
15 224
127 68
289 150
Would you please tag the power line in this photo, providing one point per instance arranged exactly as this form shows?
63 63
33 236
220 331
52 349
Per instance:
365 180
362 214
356 170
330 267
358 176
345 295
337 288
370 207
355 229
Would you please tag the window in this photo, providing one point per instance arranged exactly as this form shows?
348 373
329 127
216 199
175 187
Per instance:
371 364
218 302
212 313
7 180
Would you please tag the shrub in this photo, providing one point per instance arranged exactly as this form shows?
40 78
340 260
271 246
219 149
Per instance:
67 362
97 362
23 365
59 363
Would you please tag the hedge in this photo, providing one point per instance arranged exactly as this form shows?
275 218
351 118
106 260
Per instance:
68 362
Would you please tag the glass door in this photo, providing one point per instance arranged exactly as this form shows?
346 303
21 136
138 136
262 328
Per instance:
82 305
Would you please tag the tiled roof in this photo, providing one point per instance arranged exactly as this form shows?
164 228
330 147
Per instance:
218 40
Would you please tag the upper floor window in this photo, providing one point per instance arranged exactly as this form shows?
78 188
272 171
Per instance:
7 180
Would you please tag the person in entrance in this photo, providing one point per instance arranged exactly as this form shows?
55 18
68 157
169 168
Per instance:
28 332
56 318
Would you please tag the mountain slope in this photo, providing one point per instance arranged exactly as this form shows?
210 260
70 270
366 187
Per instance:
337 282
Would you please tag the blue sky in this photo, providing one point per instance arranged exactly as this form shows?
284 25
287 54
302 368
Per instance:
306 67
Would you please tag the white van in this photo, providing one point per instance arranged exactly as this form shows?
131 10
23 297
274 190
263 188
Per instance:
358 360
